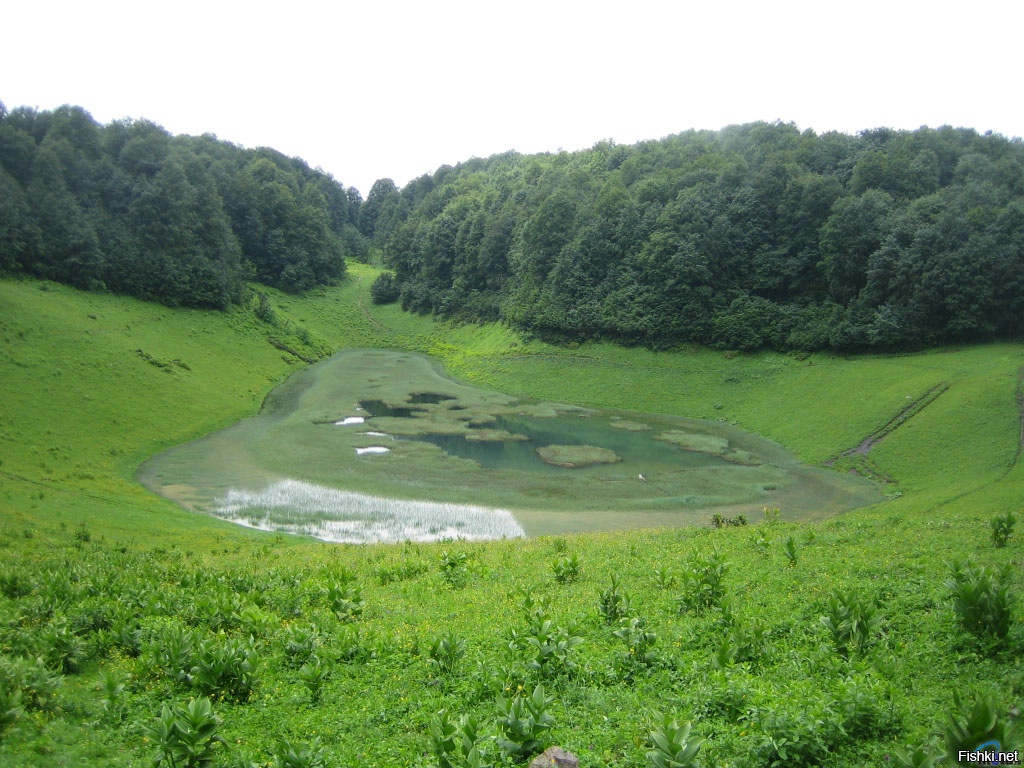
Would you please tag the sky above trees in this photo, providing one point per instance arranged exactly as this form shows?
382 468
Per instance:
397 89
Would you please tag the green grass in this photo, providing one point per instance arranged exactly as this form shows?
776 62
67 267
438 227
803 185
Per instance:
85 551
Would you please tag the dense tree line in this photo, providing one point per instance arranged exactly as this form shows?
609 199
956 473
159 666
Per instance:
177 219
756 235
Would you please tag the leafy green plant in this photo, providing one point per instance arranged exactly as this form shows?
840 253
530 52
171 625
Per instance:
457 744
664 577
566 569
672 746
455 568
112 697
62 648
226 667
1002 528
982 599
186 735
524 722
314 676
292 755
350 645
171 651
762 541
346 600
739 644
639 643
301 644
790 551
446 651
548 648
852 620
10 705
14 585
702 583
927 755
613 603
803 737
36 683
975 723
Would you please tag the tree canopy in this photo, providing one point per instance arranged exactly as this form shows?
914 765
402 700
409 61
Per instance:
176 219
754 236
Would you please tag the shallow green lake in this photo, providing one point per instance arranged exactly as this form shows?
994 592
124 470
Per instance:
374 445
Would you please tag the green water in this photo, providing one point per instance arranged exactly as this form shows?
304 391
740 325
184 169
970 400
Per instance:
393 425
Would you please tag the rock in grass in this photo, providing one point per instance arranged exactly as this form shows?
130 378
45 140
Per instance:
555 757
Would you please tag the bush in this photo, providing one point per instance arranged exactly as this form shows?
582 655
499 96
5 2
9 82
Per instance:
524 723
186 735
852 621
1002 527
672 745
385 289
702 583
982 599
613 603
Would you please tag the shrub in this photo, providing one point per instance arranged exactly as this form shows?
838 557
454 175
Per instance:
455 568
852 621
1002 527
927 755
30 681
982 599
548 648
314 676
385 289
225 666
10 705
346 600
446 651
290 755
790 552
14 585
639 642
613 603
457 744
524 722
672 746
300 645
740 645
702 583
186 735
566 569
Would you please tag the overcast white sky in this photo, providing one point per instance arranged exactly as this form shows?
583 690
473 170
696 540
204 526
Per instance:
395 89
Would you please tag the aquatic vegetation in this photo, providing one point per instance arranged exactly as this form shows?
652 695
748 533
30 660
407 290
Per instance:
293 506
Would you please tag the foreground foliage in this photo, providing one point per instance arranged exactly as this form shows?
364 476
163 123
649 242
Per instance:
107 594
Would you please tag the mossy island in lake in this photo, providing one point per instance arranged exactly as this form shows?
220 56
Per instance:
573 456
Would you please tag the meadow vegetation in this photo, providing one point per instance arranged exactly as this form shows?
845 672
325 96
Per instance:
134 632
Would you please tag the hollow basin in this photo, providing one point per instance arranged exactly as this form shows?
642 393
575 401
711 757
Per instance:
512 466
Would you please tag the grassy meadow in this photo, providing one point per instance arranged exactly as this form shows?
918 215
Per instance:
845 641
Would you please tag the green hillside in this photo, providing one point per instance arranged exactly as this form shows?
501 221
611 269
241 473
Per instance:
129 603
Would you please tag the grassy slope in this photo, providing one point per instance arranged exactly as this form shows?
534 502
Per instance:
82 407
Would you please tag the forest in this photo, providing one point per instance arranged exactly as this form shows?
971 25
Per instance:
753 236
180 220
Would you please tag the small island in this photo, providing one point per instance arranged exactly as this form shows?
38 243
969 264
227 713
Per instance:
574 456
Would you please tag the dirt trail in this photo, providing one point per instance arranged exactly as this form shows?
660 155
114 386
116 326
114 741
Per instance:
901 418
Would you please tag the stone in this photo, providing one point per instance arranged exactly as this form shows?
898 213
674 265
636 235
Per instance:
555 757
